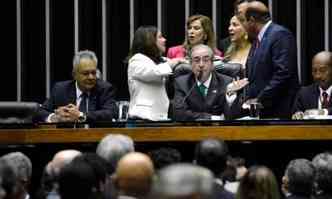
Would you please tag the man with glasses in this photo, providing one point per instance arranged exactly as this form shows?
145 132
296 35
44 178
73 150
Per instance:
84 99
201 95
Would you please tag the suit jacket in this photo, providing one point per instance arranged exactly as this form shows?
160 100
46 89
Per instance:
179 51
189 104
102 106
146 82
272 72
307 98
221 193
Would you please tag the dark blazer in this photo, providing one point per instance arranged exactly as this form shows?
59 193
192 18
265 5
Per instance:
189 104
272 72
307 98
102 106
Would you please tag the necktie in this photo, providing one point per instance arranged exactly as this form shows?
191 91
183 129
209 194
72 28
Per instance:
84 104
256 45
325 102
202 90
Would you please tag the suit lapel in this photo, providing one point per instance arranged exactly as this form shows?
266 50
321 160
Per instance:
71 93
315 99
213 91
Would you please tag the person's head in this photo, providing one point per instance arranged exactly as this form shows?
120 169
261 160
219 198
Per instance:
149 41
84 177
134 175
113 147
257 15
258 182
299 177
8 178
240 6
212 154
22 168
85 70
323 179
164 156
236 29
201 61
61 159
322 69
183 181
199 31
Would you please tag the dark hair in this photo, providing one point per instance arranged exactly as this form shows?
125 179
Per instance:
164 156
8 177
144 42
238 2
212 154
261 16
82 177
300 173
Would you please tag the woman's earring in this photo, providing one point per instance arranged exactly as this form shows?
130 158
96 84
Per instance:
246 36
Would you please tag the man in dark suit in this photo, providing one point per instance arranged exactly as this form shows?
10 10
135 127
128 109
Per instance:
212 154
201 94
312 96
272 63
85 98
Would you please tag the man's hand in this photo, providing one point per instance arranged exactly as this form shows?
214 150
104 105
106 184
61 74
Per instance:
246 104
299 115
236 85
69 113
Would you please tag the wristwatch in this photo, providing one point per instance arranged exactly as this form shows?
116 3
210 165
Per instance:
82 117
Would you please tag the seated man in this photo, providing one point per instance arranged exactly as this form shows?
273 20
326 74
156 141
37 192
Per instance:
85 98
202 93
317 95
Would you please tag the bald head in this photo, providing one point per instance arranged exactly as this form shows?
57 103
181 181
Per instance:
257 11
322 69
61 159
134 174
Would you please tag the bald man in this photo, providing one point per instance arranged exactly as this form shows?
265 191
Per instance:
62 158
133 175
271 64
312 97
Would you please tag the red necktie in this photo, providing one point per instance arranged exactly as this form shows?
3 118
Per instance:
325 102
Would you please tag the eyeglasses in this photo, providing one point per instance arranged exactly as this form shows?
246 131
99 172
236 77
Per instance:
202 59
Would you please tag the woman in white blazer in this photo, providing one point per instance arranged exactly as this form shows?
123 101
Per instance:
147 72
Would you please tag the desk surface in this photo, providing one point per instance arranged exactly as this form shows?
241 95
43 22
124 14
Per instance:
168 133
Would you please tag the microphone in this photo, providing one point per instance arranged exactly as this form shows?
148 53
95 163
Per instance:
199 77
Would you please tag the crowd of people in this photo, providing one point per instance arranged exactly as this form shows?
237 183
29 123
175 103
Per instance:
116 171
257 69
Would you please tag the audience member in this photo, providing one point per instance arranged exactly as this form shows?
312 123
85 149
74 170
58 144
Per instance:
317 95
298 180
134 176
183 181
85 98
233 173
212 154
113 147
22 167
147 72
199 31
49 186
238 51
84 177
272 63
258 182
202 93
8 180
323 179
164 156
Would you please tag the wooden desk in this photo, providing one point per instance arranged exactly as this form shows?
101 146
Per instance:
168 134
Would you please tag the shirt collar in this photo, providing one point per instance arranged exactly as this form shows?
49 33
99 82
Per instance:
263 30
207 82
78 91
328 91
